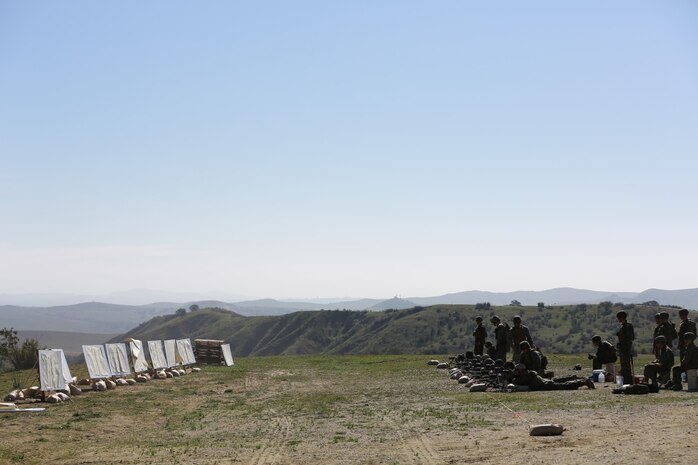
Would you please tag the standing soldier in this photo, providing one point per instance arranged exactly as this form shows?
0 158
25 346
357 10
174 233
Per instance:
667 329
519 333
501 335
626 335
687 326
480 335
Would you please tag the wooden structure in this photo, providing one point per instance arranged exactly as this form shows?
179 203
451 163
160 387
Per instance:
208 351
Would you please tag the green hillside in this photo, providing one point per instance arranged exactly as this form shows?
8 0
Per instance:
419 330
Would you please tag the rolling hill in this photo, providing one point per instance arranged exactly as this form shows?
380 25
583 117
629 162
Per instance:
427 330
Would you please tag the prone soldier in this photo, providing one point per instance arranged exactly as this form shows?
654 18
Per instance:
524 377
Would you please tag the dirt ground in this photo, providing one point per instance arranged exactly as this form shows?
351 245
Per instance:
359 410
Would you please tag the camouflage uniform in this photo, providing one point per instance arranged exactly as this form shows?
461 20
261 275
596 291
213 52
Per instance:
605 353
687 326
480 335
536 383
626 335
502 344
531 358
519 333
660 369
668 330
688 362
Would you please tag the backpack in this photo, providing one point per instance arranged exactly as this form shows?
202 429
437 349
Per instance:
543 361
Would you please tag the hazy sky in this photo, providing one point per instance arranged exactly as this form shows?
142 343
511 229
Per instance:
366 149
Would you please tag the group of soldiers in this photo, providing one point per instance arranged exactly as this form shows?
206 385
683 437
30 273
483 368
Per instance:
661 371
530 363
505 337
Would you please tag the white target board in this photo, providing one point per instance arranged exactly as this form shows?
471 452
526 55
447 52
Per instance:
54 374
157 355
171 353
227 355
140 364
97 363
186 352
117 356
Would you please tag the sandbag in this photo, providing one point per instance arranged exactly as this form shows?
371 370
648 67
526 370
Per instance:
130 381
463 379
74 390
549 429
433 362
30 392
480 387
442 366
197 369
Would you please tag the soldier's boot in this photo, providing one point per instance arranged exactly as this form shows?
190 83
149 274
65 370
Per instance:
589 383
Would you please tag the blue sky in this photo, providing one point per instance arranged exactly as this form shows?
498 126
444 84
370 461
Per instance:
368 149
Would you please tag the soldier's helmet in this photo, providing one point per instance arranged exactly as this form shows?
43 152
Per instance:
520 367
495 319
596 338
657 316
517 319
660 339
621 314
690 336
664 315
683 311
478 318
524 345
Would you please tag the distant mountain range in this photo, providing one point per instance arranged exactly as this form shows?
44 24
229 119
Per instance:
109 318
